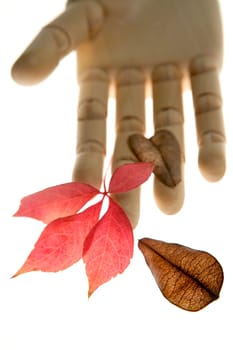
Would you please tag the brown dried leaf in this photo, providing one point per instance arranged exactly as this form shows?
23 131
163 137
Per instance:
146 152
163 151
169 149
188 278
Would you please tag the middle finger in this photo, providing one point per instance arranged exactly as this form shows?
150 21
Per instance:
168 115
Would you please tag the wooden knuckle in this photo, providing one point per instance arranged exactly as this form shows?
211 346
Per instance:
93 95
166 72
168 116
167 94
130 99
211 123
130 76
167 89
61 38
91 109
93 131
94 13
94 74
132 123
206 91
203 64
91 145
213 137
207 102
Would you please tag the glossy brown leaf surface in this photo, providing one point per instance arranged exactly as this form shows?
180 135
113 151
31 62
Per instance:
188 278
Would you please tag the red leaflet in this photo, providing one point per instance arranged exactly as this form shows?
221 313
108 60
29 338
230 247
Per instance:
129 176
109 247
56 202
106 245
61 243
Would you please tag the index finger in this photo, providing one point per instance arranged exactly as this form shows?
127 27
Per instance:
79 22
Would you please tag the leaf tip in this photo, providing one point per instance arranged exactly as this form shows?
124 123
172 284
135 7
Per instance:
143 242
90 292
17 274
16 214
21 271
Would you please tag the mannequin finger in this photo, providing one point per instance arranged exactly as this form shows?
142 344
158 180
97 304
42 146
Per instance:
168 115
80 21
130 119
209 120
91 128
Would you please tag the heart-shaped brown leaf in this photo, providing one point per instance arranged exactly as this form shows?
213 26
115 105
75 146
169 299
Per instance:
169 149
163 151
188 278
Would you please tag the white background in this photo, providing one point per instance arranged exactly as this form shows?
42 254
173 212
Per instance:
37 144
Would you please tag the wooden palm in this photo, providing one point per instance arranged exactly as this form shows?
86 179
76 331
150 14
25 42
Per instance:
167 45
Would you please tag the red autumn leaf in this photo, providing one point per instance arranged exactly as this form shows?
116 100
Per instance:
109 247
61 243
106 245
56 202
129 176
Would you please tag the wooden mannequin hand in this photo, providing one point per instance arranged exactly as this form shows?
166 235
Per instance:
126 43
